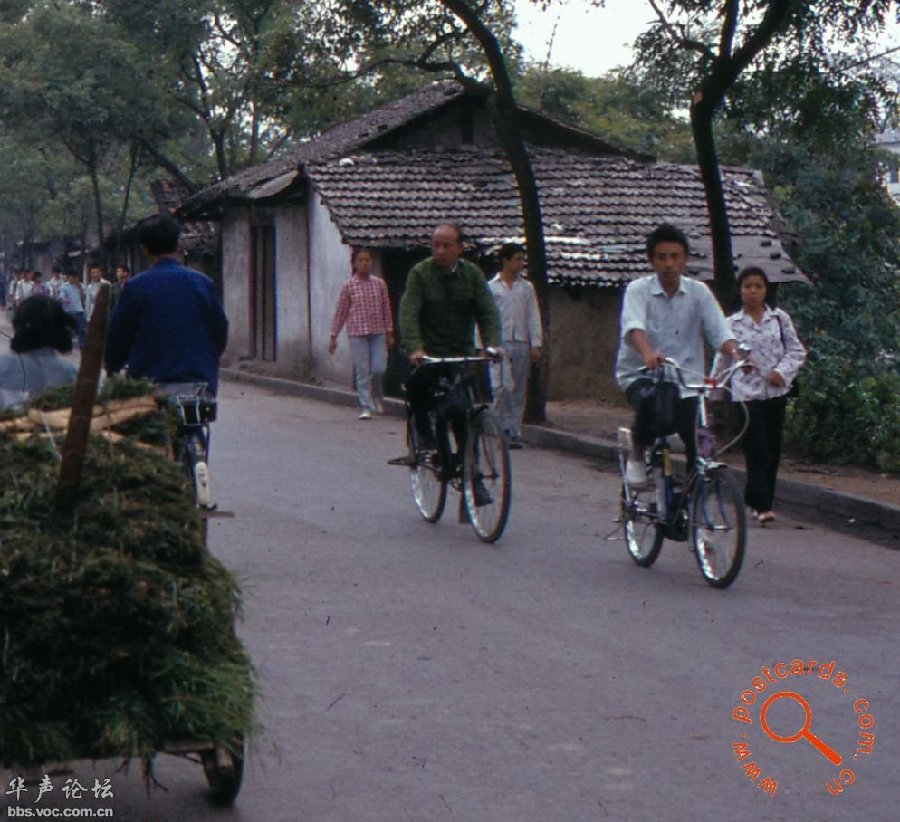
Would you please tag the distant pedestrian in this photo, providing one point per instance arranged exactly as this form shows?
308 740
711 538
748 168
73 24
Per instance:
365 307
123 272
24 286
56 281
38 289
95 278
777 355
72 301
11 289
520 320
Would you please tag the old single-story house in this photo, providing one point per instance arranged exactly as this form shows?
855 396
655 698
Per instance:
387 178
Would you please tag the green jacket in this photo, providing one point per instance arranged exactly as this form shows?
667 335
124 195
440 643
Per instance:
439 309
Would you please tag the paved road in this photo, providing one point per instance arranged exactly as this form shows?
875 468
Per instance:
409 672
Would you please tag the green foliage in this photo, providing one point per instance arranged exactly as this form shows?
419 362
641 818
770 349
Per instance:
827 182
843 416
618 107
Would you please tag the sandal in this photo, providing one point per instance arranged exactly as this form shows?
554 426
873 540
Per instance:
765 516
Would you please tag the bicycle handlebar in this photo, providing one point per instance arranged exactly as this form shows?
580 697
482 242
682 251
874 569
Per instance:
491 355
709 384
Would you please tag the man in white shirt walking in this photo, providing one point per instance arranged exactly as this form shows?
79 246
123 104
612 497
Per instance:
521 339
95 275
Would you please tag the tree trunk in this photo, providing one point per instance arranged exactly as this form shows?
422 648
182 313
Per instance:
98 208
508 127
133 157
717 208
79 429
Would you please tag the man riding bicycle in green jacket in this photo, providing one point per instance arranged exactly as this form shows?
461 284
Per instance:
445 297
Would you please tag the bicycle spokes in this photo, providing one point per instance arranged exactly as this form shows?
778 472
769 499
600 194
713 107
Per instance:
719 527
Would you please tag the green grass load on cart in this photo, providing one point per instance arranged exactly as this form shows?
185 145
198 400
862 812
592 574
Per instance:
116 624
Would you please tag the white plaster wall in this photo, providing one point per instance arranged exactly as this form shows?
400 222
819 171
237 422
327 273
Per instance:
329 270
291 291
235 280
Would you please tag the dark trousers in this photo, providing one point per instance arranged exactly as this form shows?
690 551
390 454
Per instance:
762 451
643 430
420 387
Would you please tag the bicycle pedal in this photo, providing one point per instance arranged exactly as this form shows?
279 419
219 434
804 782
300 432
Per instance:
214 513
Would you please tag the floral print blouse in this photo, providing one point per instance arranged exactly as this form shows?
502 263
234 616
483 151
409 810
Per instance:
774 346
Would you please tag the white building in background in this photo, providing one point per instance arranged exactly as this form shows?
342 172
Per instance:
890 141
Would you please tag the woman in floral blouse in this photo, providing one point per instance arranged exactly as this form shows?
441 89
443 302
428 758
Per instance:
777 355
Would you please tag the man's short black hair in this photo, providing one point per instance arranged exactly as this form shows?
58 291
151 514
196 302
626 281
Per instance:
666 233
159 234
94 264
40 322
509 250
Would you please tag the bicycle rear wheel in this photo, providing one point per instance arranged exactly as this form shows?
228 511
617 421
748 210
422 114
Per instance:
718 526
429 484
487 477
644 533
193 458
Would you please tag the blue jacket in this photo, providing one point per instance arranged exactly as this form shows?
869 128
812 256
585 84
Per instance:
168 326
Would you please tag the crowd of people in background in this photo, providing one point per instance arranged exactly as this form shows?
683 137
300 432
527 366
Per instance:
76 298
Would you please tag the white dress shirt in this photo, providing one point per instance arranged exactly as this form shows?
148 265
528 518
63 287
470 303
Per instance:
517 306
674 325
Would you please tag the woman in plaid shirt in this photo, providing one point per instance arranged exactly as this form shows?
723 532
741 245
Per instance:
364 306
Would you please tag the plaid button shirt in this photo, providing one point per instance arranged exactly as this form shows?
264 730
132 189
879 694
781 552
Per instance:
364 306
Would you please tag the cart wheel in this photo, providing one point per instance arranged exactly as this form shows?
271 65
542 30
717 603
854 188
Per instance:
224 770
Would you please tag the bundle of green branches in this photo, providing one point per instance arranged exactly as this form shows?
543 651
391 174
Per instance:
116 624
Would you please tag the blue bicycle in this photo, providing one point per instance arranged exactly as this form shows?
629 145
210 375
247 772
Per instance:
708 510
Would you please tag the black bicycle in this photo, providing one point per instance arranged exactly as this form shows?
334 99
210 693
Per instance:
466 450
708 510
195 409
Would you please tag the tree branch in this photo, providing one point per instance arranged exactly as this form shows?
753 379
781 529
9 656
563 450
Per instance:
773 22
679 37
167 164
726 41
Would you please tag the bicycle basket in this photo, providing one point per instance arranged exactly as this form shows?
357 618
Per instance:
658 407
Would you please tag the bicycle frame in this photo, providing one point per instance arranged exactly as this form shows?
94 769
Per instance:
195 409
708 511
466 382
478 467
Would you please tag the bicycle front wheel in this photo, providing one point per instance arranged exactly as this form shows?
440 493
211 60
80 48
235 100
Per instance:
429 485
643 532
718 526
487 477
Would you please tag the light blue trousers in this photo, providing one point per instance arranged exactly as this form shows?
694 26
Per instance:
508 380
369 354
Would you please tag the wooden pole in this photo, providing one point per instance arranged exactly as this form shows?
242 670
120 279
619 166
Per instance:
79 428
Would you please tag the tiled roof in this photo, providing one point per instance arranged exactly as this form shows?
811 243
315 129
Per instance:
346 137
597 210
